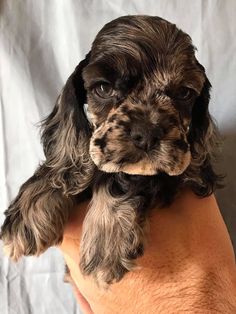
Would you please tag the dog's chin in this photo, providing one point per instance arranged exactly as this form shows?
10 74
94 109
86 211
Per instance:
141 167
146 167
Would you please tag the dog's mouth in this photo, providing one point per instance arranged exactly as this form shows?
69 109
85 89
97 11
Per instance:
114 148
166 157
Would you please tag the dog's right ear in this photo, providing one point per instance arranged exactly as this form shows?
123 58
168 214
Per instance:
65 137
35 219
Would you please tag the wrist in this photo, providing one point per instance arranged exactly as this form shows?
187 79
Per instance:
200 290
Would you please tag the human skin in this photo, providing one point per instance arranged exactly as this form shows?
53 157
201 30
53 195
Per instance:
188 265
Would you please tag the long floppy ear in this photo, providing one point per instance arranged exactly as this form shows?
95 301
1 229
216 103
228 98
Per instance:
204 140
201 122
65 137
35 219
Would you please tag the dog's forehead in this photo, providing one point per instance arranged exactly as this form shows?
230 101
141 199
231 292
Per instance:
123 69
142 36
135 28
143 48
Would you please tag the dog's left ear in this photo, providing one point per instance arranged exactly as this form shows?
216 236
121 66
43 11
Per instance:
203 138
201 120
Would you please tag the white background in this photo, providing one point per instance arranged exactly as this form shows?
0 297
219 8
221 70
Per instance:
41 43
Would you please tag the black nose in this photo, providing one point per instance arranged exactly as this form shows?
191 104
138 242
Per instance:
144 137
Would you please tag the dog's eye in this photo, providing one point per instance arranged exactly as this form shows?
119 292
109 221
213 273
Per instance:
104 90
184 93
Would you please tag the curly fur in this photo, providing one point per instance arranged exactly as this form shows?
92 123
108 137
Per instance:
146 60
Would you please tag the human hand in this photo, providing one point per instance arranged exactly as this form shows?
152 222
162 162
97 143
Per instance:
188 265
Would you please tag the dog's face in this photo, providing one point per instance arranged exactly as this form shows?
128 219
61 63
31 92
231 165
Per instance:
142 81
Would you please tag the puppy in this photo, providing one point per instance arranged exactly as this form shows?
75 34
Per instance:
147 134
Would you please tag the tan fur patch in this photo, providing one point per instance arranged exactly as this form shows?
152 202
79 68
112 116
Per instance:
111 230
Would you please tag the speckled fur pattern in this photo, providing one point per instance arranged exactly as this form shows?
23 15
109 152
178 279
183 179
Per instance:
158 90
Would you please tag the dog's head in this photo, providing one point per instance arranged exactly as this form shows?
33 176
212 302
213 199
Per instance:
142 81
147 99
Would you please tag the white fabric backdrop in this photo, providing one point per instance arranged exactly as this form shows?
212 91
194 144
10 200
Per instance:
41 43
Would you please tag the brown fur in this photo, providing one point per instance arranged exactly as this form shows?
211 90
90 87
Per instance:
111 222
141 146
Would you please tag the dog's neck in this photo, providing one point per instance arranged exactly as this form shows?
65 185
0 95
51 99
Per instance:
158 190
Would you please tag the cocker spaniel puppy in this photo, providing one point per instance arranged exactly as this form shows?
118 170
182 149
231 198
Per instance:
146 134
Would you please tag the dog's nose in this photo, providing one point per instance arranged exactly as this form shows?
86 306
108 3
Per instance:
144 137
